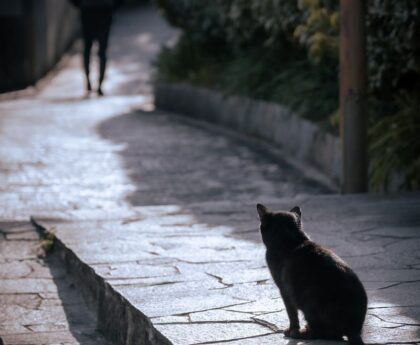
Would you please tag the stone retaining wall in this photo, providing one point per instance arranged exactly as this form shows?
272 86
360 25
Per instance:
34 35
272 122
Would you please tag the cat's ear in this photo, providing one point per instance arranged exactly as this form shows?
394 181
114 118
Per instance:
296 210
262 211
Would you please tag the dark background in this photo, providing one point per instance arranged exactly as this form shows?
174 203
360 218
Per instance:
33 36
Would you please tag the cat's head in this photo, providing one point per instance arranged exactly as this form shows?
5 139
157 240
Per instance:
281 228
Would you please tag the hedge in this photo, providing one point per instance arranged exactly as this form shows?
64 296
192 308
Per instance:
287 51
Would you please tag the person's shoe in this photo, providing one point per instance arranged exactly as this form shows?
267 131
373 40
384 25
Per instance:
88 87
100 92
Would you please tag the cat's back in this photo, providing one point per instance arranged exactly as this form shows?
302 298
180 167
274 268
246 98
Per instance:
313 268
312 261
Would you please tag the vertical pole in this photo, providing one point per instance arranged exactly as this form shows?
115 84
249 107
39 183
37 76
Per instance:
353 126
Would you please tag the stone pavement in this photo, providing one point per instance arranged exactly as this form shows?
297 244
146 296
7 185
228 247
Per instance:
198 270
155 217
39 305
60 150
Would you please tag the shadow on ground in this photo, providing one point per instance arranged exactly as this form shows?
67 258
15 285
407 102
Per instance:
217 181
81 322
171 161
39 304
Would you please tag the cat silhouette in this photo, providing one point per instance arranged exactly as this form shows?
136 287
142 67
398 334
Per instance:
312 279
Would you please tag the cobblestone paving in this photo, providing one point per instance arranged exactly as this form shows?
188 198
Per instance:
39 304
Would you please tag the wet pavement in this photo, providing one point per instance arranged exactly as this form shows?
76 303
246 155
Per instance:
163 210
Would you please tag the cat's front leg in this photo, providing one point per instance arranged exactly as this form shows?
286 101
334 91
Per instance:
292 332
292 313
304 333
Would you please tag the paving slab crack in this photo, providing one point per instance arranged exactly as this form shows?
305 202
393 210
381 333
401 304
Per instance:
267 324
145 285
207 322
399 283
233 339
220 280
396 343
206 262
394 322
216 308
395 306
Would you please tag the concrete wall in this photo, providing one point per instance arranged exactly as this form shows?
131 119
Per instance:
272 122
33 36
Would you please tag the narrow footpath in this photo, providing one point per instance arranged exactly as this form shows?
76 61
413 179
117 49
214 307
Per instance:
155 222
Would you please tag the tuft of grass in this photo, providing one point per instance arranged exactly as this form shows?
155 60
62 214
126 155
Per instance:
278 75
189 61
47 241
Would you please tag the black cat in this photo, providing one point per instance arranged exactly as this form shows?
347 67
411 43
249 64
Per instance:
312 279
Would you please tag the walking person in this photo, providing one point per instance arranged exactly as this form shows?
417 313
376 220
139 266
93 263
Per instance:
96 18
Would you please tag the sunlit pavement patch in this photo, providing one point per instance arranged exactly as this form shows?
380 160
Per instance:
181 266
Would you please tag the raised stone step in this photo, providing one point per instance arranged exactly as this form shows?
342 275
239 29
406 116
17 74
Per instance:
195 274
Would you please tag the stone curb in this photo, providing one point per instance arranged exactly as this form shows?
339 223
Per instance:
117 318
272 122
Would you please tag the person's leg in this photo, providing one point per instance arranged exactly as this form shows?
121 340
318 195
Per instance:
86 61
103 45
88 42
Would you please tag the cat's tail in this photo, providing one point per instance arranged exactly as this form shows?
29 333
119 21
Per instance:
355 339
